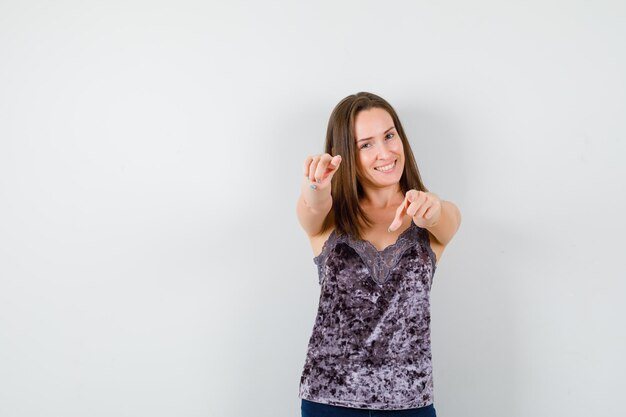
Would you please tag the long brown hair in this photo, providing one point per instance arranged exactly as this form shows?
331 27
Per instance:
346 189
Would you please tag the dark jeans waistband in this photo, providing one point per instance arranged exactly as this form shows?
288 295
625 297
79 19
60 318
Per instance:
315 409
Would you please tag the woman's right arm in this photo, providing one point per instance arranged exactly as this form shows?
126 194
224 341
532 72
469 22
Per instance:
315 203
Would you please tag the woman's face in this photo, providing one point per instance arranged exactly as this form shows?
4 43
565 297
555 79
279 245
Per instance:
378 145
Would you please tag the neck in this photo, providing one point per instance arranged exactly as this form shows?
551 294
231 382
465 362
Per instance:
382 197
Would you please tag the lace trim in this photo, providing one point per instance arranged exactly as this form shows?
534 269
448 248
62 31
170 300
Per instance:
380 263
433 257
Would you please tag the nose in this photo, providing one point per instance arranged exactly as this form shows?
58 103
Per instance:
385 151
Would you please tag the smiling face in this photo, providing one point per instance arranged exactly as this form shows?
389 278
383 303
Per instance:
380 154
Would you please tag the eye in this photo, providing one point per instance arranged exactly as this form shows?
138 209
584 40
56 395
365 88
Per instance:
388 136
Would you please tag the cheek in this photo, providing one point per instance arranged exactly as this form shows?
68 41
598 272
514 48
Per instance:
363 161
399 150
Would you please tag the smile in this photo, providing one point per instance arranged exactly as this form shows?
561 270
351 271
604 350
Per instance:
387 168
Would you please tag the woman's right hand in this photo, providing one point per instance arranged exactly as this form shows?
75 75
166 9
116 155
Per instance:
319 169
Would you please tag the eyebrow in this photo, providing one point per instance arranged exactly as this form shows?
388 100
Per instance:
392 127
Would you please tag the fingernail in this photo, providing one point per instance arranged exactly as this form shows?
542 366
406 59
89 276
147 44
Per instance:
318 180
313 186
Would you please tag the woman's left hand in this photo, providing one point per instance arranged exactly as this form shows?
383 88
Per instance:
424 207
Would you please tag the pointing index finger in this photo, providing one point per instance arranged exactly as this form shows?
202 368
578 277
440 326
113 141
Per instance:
400 212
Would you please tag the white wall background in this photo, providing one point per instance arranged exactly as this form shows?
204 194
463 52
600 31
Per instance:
151 262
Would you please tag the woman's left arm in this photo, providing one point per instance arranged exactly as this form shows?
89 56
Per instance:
448 223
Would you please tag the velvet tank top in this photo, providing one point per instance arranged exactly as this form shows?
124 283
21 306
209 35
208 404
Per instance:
370 344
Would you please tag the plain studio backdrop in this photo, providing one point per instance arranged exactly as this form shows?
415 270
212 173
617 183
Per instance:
151 261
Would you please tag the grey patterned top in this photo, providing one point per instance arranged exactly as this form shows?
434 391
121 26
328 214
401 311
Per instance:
370 345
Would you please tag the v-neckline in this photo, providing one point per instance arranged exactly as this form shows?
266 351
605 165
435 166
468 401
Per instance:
394 244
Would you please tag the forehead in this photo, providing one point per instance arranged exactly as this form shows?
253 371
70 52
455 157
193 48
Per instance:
372 122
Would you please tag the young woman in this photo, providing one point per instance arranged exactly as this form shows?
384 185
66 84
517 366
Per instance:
377 234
